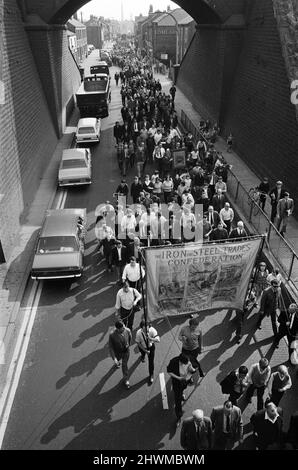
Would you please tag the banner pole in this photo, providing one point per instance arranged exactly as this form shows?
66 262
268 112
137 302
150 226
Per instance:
143 296
249 291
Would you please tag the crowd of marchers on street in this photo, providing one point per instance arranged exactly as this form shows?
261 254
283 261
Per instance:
164 212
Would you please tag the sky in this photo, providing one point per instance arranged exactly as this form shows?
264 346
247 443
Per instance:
131 8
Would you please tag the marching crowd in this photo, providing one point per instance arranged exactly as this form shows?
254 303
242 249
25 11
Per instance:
164 212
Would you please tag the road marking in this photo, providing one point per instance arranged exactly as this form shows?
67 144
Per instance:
163 389
18 357
61 199
20 350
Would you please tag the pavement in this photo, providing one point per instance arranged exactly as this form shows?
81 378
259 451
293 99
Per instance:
14 274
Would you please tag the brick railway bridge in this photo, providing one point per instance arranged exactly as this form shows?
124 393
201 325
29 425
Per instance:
237 71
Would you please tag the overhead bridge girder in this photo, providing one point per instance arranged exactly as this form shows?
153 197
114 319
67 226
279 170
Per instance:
203 11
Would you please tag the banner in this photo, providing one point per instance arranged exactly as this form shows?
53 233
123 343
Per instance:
196 276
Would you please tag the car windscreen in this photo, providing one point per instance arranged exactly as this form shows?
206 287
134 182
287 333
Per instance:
74 163
86 130
99 69
57 244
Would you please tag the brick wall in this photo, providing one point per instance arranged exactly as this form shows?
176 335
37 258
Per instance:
201 73
57 69
260 114
27 137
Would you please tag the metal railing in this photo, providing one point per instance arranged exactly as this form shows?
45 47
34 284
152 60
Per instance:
260 223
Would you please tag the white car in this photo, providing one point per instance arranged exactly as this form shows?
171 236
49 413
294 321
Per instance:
75 167
88 130
59 250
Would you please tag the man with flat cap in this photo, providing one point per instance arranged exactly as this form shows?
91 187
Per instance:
196 432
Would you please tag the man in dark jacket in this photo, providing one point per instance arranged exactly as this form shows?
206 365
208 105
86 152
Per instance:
239 232
227 425
234 384
271 304
119 342
135 189
117 132
196 432
119 258
288 324
267 425
219 233
276 194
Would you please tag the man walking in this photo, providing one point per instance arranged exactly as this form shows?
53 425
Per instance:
118 258
119 342
146 337
234 384
180 370
285 208
116 76
239 232
227 425
258 377
172 91
192 343
271 304
132 273
267 425
276 194
126 301
196 432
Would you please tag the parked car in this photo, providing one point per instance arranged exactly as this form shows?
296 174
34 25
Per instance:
75 167
88 130
60 246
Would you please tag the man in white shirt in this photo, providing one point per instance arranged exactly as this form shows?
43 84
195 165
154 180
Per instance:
126 300
128 222
226 215
146 337
157 136
132 273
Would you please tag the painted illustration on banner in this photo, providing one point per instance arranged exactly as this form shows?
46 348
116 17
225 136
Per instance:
196 277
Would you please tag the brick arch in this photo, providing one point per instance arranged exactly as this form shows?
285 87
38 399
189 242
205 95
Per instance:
59 11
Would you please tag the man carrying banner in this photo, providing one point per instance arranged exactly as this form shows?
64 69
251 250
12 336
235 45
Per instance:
146 338
180 370
191 337
126 302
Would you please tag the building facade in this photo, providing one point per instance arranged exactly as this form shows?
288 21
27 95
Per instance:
80 30
165 30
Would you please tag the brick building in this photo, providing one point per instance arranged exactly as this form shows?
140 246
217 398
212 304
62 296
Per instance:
165 34
94 31
35 63
80 30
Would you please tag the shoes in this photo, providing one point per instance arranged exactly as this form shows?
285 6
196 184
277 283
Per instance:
190 381
202 374
151 379
249 400
143 359
118 365
259 327
178 422
183 397
276 345
127 385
